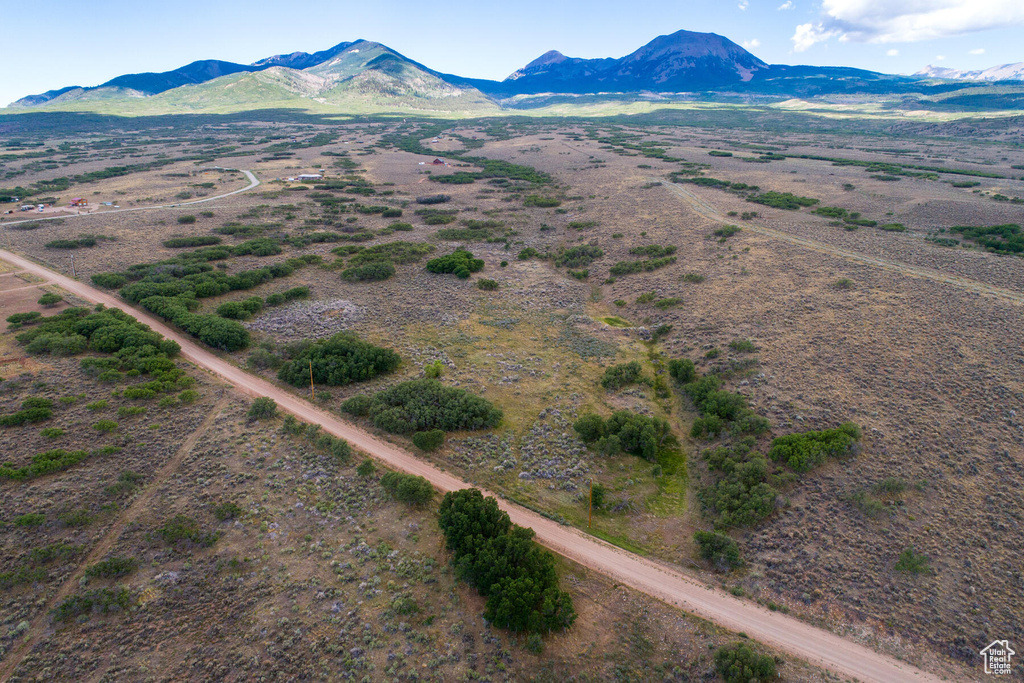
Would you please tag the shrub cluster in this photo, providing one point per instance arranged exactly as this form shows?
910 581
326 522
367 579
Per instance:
739 663
429 440
624 374
782 200
578 257
425 404
195 241
721 410
339 360
501 560
625 431
740 493
339 449
460 262
718 549
999 239
33 409
408 488
180 530
653 250
805 451
102 600
112 567
645 266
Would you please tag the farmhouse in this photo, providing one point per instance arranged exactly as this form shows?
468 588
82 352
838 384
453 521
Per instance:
308 176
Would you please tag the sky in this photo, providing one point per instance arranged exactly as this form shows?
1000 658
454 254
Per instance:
50 44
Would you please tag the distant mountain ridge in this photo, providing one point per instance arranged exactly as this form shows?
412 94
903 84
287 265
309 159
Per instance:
364 76
1003 72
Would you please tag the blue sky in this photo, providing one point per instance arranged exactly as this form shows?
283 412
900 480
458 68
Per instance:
54 43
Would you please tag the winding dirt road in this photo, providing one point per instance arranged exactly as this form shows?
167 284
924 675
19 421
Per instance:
784 633
711 213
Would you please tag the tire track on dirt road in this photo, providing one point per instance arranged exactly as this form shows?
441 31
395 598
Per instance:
36 630
711 213
659 580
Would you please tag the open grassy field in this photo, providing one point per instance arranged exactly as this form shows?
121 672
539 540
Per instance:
865 306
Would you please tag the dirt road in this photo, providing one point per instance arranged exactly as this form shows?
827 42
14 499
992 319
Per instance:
711 213
784 633
253 182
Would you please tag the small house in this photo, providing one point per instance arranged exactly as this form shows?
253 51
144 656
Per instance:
440 162
308 176
78 201
27 207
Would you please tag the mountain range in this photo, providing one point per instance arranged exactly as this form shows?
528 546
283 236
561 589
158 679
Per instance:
362 76
1003 72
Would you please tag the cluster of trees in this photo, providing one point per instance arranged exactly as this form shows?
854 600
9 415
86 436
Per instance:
782 200
740 493
622 375
577 257
378 262
339 360
653 251
33 409
644 266
625 431
408 488
1000 239
503 563
460 262
720 410
805 451
437 216
739 663
170 289
194 241
718 549
422 405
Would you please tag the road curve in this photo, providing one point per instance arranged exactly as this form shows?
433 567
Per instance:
784 633
253 182
711 213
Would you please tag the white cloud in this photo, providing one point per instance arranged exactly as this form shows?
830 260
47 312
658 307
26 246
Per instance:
893 53
807 35
744 4
751 44
906 21
787 5
978 51
939 58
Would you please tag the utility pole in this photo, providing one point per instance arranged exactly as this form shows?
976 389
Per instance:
73 273
590 516
311 389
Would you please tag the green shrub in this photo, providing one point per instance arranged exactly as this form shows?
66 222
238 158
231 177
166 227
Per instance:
358 405
913 562
626 431
629 267
50 299
578 257
181 529
337 361
263 408
618 376
366 468
102 600
369 272
196 241
683 371
52 432
30 519
429 440
805 451
487 285
227 510
112 568
782 200
541 202
718 549
425 404
739 663
130 411
653 250
528 253
78 517
187 219
33 409
460 262
24 318
742 346
105 426
717 153
501 560
408 488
